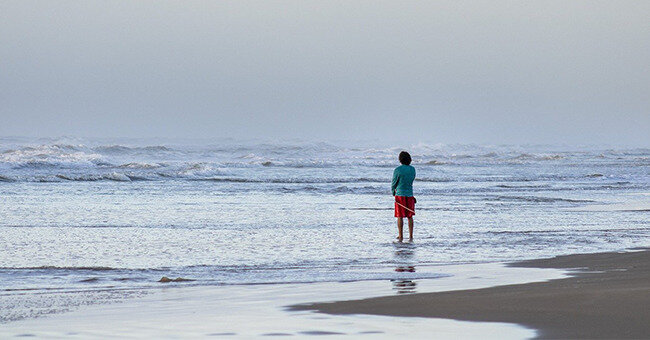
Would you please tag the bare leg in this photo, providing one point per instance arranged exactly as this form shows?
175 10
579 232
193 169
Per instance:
410 228
400 228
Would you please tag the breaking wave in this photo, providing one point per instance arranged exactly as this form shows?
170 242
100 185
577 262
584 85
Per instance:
277 163
140 165
127 149
114 176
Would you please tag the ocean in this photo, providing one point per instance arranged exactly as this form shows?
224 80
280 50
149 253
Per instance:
87 221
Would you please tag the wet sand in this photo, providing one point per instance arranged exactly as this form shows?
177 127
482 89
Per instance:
178 310
607 297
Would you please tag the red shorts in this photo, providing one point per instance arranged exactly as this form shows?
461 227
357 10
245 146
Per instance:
408 202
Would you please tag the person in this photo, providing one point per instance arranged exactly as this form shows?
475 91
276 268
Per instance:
402 188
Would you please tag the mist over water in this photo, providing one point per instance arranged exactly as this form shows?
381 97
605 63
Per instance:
111 217
453 71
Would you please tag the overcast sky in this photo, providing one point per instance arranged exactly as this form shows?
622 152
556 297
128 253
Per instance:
430 71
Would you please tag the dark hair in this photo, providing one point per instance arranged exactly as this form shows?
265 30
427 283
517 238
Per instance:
405 158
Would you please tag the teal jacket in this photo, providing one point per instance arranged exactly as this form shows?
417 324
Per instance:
402 184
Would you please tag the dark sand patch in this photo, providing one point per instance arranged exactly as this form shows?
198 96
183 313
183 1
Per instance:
608 297
165 279
321 333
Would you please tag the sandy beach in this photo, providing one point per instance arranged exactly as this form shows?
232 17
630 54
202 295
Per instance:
608 296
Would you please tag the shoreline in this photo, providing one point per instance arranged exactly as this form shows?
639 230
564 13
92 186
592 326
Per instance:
606 296
258 311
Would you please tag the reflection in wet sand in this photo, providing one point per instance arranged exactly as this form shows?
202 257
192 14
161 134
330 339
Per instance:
404 254
404 286
405 264
400 269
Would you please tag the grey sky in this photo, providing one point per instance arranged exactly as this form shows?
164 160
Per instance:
445 71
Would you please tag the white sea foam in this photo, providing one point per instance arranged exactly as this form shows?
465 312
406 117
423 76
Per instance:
112 176
241 213
226 203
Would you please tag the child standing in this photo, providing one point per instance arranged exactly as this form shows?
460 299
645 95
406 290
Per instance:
402 188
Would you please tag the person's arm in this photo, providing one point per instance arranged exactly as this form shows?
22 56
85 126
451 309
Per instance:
414 200
393 184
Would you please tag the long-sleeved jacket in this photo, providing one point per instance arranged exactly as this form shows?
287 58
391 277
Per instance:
402 184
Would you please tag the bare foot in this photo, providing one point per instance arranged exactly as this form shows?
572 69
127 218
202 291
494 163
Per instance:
400 239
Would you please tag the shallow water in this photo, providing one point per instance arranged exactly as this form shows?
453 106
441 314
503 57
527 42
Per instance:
259 311
113 216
